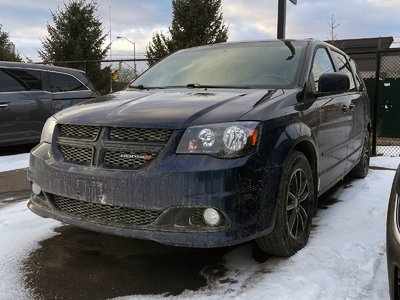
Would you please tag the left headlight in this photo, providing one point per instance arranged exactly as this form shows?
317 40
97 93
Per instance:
48 129
222 140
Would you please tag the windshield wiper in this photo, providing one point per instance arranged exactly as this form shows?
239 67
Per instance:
142 87
206 86
190 85
139 87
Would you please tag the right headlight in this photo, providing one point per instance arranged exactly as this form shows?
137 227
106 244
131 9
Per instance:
223 140
48 129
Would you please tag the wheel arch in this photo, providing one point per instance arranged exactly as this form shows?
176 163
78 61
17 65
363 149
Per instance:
307 148
299 137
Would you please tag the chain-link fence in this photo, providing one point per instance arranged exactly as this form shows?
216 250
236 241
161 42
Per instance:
125 71
381 73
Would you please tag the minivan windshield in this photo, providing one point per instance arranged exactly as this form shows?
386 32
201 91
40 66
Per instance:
271 64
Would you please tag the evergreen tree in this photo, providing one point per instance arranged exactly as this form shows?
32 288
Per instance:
5 47
77 35
194 23
161 47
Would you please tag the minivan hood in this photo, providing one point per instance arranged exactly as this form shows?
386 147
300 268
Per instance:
174 108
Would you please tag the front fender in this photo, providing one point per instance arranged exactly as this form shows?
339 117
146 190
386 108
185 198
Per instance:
297 136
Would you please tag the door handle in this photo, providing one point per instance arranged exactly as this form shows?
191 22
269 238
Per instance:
3 105
352 106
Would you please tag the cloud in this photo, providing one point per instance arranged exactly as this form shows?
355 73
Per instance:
392 4
247 19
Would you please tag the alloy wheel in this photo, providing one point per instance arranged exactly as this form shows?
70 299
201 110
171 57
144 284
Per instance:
298 197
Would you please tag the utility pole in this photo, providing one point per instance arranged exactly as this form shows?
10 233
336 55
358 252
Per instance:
111 78
282 18
134 52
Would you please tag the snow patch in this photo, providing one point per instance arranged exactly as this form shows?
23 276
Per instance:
20 232
13 162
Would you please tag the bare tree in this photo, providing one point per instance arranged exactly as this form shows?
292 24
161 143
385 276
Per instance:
333 24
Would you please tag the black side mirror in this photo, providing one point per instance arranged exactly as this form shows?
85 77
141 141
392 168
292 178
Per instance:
332 83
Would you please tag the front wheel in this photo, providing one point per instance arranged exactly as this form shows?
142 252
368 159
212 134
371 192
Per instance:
294 209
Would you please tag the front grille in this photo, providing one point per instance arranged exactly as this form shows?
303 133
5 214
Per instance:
112 147
77 155
135 160
104 213
79 131
140 134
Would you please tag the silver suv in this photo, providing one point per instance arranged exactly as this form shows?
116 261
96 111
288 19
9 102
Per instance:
30 93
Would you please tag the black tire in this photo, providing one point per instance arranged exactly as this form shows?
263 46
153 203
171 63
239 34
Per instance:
294 210
362 167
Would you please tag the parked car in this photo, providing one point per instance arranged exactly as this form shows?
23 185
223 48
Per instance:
212 146
30 93
393 239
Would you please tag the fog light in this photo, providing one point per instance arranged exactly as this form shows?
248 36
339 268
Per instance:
212 217
36 189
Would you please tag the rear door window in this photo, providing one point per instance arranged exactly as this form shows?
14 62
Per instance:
20 80
60 82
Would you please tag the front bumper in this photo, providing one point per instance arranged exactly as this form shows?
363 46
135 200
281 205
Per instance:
176 186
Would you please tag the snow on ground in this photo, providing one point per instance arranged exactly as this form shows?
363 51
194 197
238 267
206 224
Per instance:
385 162
20 232
13 162
344 259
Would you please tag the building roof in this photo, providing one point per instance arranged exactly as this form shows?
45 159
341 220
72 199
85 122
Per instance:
363 45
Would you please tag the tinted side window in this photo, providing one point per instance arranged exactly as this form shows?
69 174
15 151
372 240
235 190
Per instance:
17 80
322 64
357 75
344 67
64 83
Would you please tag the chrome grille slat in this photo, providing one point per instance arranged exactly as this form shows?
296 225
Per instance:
104 213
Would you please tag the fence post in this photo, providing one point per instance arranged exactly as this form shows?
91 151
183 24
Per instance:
377 98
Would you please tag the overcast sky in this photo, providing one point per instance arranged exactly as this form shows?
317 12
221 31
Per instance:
136 20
